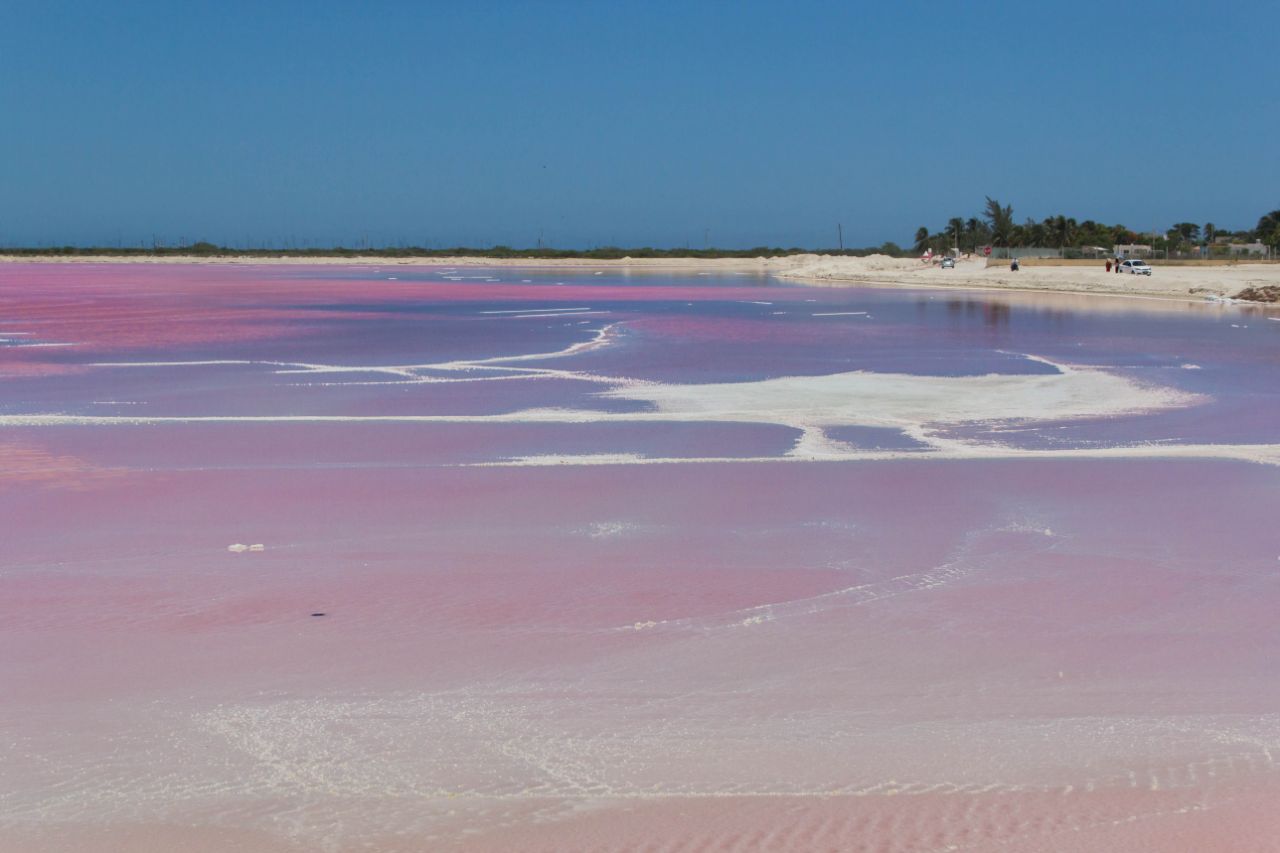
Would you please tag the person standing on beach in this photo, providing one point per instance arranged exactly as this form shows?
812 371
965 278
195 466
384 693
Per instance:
1108 265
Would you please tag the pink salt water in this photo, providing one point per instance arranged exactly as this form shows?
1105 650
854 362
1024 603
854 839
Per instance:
562 561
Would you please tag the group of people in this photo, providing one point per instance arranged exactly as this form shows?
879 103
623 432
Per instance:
1013 264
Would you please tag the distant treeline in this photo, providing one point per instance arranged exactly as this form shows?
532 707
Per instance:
602 253
995 226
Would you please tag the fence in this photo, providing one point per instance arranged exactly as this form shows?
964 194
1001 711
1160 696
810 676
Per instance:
1100 253
1230 253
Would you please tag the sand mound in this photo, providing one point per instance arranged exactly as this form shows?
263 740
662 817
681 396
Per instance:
833 266
1266 293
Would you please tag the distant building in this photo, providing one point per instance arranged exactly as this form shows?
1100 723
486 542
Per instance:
1132 250
1254 248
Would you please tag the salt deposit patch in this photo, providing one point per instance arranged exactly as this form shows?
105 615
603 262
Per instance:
613 529
909 401
919 407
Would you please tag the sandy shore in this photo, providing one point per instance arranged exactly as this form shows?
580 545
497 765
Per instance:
1197 282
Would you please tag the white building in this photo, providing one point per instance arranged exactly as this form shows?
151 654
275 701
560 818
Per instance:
1132 250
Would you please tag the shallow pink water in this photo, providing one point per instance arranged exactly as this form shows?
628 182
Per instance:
906 654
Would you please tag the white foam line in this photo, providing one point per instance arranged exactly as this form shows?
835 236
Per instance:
857 594
1263 454
407 371
148 420
543 310
441 380
601 339
1039 359
285 367
177 363
838 314
1267 454
530 316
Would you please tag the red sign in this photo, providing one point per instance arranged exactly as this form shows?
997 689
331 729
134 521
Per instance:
986 250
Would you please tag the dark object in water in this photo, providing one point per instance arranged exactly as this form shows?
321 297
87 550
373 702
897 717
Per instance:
319 614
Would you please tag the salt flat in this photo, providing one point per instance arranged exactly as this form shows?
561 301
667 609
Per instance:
306 558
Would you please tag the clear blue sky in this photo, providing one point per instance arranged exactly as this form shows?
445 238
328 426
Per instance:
627 123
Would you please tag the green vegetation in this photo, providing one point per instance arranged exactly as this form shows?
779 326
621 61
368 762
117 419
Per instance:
1268 228
996 227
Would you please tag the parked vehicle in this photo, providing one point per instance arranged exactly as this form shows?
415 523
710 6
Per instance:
1135 266
948 263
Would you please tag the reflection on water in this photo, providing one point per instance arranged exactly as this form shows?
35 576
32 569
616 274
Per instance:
992 312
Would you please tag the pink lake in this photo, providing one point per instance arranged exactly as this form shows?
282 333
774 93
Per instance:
620 562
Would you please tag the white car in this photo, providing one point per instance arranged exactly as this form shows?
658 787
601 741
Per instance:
1136 267
948 263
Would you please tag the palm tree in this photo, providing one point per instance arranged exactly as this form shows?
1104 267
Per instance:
1001 221
1210 231
1088 233
922 238
1063 229
1268 230
1036 233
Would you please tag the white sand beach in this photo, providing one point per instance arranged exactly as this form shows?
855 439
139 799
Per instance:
1196 282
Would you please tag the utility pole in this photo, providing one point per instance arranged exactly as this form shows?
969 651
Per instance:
840 231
